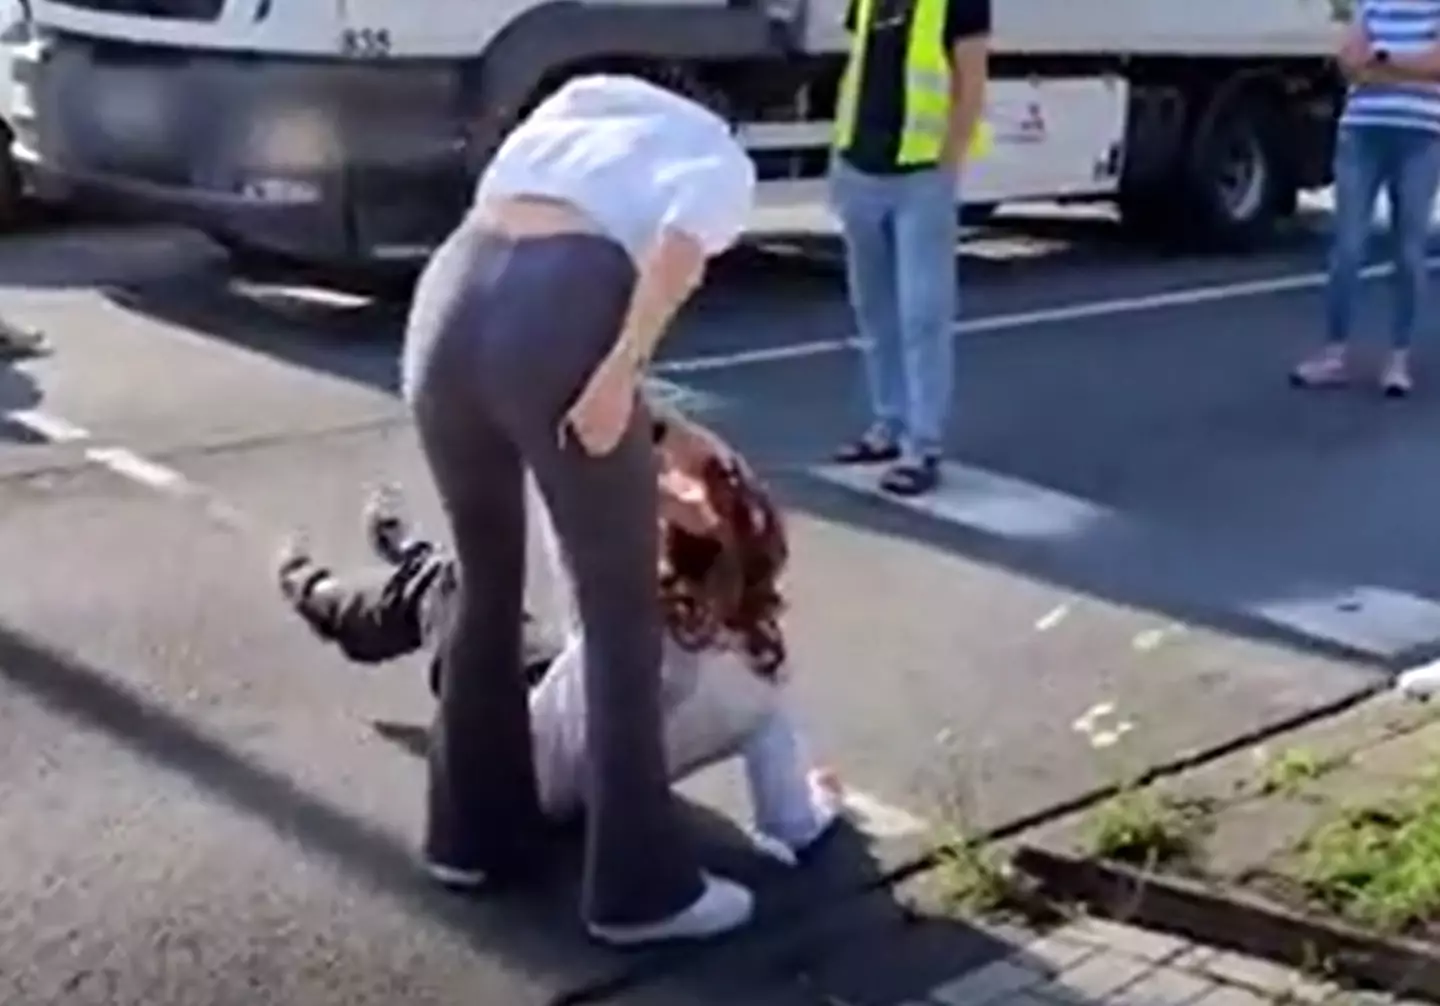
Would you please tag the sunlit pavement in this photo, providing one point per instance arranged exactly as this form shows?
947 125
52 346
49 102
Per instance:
200 805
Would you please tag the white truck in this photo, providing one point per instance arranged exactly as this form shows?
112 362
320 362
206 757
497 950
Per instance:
349 133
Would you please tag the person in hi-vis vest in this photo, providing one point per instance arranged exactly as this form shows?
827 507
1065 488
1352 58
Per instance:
907 117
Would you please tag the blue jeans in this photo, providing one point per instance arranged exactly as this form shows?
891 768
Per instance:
1406 163
900 234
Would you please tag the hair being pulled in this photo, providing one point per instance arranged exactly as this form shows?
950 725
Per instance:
723 589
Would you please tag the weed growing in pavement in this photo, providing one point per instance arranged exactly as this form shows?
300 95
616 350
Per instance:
973 877
1136 823
1379 864
1290 771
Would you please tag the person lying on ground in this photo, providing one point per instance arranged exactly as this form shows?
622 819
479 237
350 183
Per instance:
725 660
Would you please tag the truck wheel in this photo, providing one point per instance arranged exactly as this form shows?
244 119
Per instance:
1235 186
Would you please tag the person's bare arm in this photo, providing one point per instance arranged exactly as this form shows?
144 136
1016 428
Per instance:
668 275
969 73
1353 55
967 39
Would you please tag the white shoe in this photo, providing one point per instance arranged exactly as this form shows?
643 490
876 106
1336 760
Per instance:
722 907
453 878
786 843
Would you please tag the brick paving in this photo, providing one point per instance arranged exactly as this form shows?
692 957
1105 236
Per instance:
1093 962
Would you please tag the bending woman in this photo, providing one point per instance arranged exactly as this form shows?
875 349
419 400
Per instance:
526 342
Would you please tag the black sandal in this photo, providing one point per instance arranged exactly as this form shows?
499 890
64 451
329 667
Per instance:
867 450
912 478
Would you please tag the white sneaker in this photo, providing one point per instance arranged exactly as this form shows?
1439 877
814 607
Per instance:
722 907
453 878
786 842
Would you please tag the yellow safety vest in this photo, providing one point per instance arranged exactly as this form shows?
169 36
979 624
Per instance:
927 86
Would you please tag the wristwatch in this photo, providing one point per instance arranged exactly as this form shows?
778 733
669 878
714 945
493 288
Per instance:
1382 56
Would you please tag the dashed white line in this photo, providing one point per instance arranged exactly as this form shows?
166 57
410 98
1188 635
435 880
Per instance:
56 429
1153 639
127 464
133 467
1053 618
1188 297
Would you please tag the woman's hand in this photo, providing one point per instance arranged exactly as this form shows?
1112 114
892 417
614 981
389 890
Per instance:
602 413
690 447
1355 53
683 502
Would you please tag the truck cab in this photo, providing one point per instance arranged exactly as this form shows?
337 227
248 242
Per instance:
351 132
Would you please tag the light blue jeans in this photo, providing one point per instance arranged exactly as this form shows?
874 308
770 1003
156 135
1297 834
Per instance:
1406 164
900 233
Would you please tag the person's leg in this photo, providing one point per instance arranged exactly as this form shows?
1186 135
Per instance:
1357 183
867 224
642 876
1411 183
792 803
484 821
925 237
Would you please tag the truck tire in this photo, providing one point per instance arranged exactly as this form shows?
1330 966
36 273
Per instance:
1235 185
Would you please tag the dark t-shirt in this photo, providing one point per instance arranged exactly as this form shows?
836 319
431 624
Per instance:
880 111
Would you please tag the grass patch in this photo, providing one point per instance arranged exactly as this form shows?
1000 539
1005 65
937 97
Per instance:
1289 772
1379 864
1146 827
974 879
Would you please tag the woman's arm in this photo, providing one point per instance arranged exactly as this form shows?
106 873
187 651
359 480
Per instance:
671 272
707 200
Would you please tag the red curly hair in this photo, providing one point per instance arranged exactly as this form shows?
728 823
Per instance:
724 587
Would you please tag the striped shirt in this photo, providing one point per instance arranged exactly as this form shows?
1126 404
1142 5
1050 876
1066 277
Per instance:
1402 28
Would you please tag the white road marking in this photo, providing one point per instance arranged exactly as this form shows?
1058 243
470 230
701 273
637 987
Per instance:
879 819
1053 618
987 501
1188 297
1377 621
127 464
1153 639
53 428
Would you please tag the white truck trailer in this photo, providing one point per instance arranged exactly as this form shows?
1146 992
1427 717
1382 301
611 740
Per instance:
350 132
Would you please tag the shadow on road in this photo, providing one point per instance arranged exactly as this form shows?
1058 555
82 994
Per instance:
18 391
803 913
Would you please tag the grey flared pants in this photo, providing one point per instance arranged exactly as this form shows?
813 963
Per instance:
501 338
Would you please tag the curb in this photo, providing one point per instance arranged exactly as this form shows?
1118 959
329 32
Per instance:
1221 916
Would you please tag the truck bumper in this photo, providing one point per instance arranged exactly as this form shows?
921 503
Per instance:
330 162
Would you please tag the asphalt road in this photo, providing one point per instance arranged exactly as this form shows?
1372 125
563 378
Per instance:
200 805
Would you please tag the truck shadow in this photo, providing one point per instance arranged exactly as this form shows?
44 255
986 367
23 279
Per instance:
790 289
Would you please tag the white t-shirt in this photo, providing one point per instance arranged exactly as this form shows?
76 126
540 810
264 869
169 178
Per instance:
634 157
